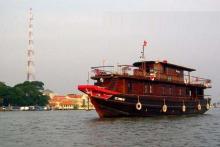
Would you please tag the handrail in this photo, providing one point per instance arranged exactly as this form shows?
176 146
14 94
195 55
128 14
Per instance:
100 67
152 75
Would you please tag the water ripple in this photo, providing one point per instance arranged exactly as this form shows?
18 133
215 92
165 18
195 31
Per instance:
83 128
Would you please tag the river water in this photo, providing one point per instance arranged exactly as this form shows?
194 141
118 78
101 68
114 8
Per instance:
84 128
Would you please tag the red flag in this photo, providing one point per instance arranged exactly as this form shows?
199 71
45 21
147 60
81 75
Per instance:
145 43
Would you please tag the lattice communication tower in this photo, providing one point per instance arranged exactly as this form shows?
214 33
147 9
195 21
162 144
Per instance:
30 51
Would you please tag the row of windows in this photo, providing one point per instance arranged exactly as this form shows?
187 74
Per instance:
148 89
165 90
164 70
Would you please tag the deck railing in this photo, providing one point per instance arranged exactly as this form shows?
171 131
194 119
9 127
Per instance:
127 70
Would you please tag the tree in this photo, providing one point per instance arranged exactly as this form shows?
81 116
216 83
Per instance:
1 92
1 101
23 94
4 94
31 93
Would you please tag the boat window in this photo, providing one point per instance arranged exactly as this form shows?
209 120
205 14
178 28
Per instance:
151 70
178 71
196 92
147 69
190 93
163 90
170 90
112 84
180 91
151 90
129 87
164 69
200 92
156 69
169 78
146 88
187 91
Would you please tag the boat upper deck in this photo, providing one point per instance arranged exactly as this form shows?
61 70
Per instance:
152 71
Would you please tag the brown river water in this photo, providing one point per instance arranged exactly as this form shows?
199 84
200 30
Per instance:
84 128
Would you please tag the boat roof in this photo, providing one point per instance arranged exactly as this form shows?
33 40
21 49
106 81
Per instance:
138 64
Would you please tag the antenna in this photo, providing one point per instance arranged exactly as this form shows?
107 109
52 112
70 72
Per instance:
142 53
30 50
143 58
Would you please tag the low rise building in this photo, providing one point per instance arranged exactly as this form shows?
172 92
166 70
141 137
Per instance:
70 102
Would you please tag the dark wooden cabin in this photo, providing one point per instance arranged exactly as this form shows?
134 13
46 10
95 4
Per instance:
153 78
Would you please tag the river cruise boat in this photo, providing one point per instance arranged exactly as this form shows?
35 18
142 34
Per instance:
147 88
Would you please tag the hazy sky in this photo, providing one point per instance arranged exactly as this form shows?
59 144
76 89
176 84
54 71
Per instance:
70 36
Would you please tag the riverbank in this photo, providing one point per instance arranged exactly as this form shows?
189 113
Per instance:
24 108
34 108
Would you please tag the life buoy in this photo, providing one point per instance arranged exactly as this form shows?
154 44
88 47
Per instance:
207 106
184 108
152 76
138 106
199 107
164 108
101 80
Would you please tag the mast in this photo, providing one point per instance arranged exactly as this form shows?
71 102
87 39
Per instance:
143 58
30 50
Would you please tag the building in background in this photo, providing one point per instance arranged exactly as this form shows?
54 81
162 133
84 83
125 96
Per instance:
70 102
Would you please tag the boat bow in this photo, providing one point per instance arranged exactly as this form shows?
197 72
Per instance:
97 91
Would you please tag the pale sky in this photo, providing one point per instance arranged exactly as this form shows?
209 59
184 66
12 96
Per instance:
70 36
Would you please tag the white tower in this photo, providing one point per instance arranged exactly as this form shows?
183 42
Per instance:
30 51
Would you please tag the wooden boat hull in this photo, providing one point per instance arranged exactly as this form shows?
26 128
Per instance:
119 106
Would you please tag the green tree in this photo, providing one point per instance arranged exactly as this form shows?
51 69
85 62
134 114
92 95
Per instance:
1 95
30 93
4 94
1 101
23 94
